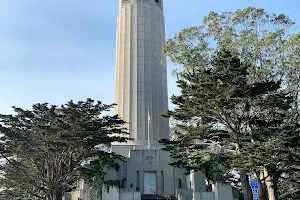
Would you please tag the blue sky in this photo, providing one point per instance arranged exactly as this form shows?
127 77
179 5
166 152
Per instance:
57 50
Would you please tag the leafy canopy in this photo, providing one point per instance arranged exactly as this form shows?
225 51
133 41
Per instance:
45 148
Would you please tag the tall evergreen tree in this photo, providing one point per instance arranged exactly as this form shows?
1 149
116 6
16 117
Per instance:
45 148
222 103
267 41
274 139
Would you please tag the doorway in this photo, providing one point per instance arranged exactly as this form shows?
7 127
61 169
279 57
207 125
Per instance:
150 186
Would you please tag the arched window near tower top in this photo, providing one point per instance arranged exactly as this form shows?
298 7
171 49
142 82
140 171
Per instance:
125 1
158 2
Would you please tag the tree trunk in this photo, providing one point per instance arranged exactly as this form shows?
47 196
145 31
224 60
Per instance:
270 188
272 185
263 195
247 192
55 196
59 196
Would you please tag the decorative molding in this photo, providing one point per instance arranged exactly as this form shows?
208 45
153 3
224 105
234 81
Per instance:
149 160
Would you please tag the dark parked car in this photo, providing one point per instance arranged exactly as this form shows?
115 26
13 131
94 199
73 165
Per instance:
156 196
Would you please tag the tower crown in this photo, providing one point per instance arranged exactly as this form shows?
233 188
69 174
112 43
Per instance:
132 2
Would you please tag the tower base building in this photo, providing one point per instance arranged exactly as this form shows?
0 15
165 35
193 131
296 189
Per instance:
147 175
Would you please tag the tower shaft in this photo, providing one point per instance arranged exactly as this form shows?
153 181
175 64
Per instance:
141 78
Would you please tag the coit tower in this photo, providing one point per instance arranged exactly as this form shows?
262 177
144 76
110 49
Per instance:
141 74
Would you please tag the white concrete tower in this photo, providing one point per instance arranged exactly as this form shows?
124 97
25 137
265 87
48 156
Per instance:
141 79
141 85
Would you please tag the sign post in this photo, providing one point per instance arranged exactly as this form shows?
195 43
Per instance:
254 187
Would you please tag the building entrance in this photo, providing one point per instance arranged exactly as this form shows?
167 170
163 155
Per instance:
150 183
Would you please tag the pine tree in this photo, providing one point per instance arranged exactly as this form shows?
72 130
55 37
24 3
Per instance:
222 105
274 129
45 148
262 39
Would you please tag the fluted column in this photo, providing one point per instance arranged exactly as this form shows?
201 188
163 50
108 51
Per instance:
141 79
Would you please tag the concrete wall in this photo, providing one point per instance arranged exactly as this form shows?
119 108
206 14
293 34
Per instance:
180 174
208 196
113 194
197 181
130 196
139 161
204 196
222 191
150 160
184 193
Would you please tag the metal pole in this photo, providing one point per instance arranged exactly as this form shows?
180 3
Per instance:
149 130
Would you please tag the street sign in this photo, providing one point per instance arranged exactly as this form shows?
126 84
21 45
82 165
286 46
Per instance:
254 187
254 183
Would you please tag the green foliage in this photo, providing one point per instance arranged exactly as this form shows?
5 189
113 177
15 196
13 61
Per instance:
208 97
235 117
289 187
191 153
94 176
269 42
292 67
45 147
250 105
